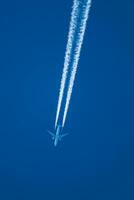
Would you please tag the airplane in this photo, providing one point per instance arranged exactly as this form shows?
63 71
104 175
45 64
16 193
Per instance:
57 136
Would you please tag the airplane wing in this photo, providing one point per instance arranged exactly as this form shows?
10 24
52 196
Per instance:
63 135
52 134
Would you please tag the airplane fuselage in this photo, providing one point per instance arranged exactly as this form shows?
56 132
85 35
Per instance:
57 135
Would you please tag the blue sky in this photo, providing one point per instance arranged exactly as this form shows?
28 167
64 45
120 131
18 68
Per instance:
96 160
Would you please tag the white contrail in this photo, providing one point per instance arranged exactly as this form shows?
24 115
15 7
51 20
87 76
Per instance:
72 29
77 51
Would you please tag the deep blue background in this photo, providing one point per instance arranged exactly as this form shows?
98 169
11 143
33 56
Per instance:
96 160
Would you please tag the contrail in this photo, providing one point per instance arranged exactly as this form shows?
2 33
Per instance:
72 29
82 28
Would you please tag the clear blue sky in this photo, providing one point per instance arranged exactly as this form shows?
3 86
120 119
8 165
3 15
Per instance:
96 160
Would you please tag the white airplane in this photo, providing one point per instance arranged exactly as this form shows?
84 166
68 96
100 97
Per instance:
57 136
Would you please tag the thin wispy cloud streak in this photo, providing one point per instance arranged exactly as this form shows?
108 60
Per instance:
77 27
72 29
82 28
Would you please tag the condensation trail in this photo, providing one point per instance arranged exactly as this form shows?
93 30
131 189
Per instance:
77 51
72 28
